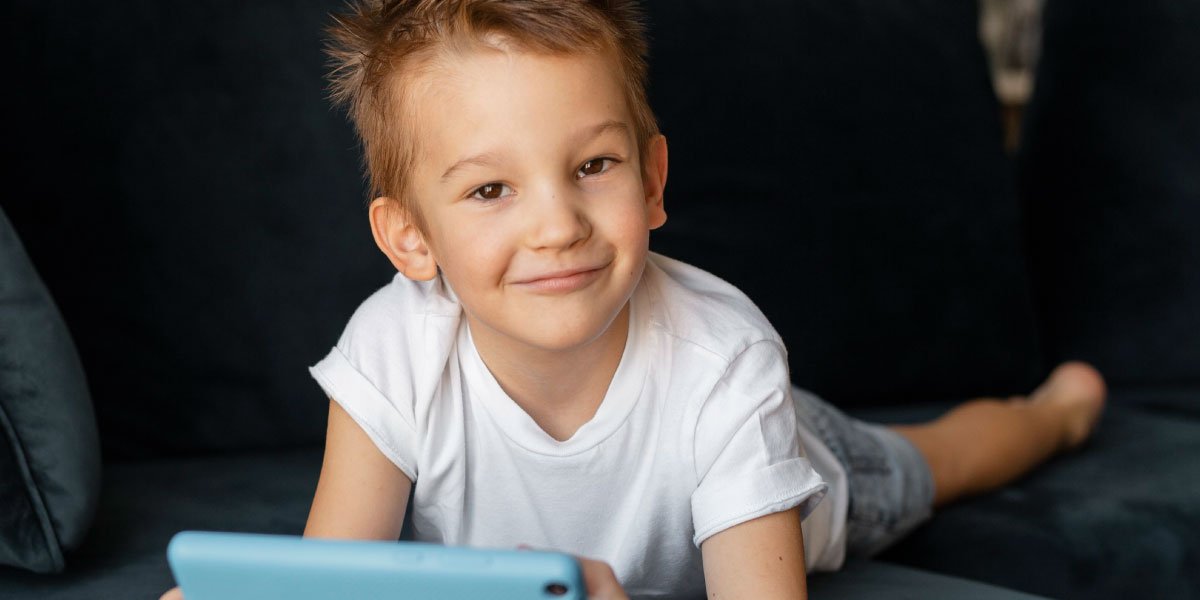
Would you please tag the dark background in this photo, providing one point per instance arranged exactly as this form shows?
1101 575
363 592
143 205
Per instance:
197 208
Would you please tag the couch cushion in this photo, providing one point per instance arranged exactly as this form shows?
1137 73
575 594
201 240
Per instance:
872 579
841 162
49 448
1110 169
144 503
1119 519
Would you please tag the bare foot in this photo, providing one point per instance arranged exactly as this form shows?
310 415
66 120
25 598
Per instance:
1077 390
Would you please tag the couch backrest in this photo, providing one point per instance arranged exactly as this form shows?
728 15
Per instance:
1110 171
841 162
197 208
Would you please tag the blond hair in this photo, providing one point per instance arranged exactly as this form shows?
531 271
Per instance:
375 43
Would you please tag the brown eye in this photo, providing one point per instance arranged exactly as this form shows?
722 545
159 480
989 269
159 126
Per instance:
491 191
594 167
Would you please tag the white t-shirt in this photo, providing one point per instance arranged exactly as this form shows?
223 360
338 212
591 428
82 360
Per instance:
696 433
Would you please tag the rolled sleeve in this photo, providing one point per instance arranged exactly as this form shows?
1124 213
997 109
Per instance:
392 431
748 457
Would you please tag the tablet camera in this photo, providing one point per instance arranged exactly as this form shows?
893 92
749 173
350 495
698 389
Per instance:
556 589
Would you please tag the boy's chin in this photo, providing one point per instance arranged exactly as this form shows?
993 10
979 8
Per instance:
566 335
551 331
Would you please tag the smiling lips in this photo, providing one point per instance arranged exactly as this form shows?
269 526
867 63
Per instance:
567 280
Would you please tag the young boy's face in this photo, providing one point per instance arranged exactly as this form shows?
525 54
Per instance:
536 204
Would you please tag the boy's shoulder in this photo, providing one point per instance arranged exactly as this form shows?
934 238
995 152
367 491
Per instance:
404 296
701 309
401 300
403 322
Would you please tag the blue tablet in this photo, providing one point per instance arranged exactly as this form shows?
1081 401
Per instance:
241 566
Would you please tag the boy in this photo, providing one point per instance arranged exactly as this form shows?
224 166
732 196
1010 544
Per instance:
534 376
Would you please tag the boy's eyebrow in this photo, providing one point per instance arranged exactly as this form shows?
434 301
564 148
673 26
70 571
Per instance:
482 160
596 131
587 135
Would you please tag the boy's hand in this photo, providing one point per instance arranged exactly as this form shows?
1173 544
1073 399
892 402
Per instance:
172 594
600 580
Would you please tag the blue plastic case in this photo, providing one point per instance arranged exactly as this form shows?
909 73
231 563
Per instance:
241 566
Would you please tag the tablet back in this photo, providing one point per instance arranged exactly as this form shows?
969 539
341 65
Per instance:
239 566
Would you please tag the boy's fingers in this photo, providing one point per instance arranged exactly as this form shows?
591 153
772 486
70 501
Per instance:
600 580
172 594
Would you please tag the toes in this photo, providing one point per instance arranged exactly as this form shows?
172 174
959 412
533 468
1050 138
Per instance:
1082 378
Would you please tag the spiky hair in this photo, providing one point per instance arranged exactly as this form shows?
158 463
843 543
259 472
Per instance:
375 44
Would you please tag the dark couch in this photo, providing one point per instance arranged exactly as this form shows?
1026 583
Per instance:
196 211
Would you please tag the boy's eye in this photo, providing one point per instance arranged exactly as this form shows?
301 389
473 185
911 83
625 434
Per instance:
491 191
595 167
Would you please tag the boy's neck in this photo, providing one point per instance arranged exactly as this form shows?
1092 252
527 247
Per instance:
560 390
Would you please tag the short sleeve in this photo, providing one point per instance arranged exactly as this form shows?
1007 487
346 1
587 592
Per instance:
388 427
386 368
748 458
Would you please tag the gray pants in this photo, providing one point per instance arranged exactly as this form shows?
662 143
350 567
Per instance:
891 486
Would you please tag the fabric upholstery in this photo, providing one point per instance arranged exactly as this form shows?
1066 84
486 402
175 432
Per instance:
1110 170
1120 519
841 163
218 237
49 448
144 503
873 579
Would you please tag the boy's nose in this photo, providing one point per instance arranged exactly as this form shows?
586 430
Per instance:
557 220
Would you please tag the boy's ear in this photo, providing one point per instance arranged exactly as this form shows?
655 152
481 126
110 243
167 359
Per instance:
398 236
654 180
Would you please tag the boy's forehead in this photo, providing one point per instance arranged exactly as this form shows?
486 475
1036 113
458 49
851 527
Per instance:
473 102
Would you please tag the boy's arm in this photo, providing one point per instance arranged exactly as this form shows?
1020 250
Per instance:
762 558
361 494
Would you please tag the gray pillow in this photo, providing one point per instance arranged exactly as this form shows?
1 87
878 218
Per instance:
49 447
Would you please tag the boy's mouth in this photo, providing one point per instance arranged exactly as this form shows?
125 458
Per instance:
563 280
